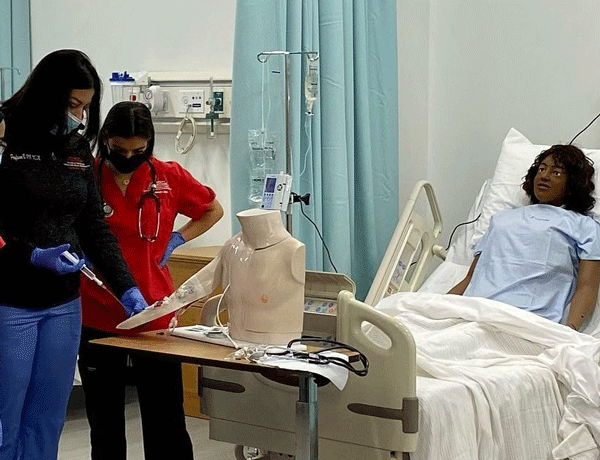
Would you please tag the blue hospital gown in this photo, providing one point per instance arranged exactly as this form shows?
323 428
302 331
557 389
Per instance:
529 257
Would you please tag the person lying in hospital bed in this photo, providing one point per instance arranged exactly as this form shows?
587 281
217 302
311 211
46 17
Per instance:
543 256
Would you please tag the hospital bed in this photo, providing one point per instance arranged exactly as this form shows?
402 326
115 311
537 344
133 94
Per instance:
513 406
378 424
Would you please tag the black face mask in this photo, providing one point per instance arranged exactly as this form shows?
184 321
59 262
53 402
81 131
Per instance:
127 165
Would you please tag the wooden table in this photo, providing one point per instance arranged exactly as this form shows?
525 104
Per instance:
162 346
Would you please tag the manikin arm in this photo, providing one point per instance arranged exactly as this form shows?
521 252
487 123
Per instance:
586 291
460 288
200 285
205 281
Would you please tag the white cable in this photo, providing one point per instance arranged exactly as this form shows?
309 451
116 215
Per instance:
223 328
192 139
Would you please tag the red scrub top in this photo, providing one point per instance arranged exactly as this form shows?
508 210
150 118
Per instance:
179 193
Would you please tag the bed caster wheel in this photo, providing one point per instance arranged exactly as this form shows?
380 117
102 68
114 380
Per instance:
249 453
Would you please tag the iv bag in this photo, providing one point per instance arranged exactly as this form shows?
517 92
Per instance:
311 83
262 161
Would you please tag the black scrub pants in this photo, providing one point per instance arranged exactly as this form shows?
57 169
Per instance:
104 375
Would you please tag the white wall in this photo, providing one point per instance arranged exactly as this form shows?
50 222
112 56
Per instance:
135 35
472 69
468 71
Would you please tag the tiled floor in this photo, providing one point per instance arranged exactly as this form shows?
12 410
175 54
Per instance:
74 442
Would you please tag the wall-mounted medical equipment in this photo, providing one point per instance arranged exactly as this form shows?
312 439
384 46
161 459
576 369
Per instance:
184 103
127 87
156 99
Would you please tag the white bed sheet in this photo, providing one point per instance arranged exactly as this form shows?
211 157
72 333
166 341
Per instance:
529 418
498 382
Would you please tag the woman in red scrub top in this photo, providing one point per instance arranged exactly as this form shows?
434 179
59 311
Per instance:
141 197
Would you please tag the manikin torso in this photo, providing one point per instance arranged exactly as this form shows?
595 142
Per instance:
263 270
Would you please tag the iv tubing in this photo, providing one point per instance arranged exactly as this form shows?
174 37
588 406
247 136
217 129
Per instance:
309 142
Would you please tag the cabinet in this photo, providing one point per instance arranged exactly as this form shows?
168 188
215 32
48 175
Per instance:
183 263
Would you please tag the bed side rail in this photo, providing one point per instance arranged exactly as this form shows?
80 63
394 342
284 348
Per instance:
413 244
380 409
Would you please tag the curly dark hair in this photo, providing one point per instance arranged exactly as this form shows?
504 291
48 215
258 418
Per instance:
580 177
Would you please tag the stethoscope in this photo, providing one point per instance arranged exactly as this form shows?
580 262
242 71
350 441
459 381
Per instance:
149 195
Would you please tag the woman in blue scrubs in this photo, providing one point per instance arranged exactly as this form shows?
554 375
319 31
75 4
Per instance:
544 256
49 204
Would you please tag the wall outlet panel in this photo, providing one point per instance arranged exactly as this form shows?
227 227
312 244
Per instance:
192 99
181 89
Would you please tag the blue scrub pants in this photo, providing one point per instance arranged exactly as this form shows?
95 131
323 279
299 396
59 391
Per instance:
38 354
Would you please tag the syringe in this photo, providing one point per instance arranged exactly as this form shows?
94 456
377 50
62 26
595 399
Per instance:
84 269
91 275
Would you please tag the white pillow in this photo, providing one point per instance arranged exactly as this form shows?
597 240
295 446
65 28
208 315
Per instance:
516 156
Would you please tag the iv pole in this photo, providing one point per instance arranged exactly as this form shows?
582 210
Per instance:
262 58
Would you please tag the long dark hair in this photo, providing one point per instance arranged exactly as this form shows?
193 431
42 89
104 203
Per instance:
580 177
42 102
127 119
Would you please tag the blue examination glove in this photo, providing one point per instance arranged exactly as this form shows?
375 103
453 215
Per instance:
133 301
52 259
175 240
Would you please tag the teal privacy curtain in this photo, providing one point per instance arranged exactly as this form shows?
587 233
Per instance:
15 45
346 154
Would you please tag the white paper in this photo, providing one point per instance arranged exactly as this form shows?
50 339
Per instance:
335 374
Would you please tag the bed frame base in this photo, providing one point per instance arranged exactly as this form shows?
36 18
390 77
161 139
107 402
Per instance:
284 443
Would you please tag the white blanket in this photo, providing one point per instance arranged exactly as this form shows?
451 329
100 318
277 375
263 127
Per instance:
466 340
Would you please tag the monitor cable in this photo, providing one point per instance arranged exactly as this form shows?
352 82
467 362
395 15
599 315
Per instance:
460 225
305 199
580 132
